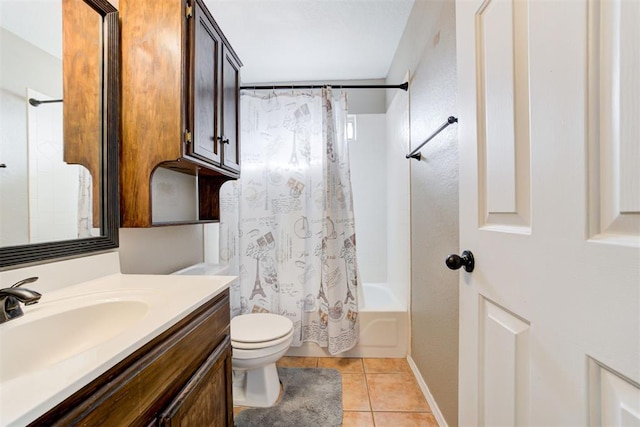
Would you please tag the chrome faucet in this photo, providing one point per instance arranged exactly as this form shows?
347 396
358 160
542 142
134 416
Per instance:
10 299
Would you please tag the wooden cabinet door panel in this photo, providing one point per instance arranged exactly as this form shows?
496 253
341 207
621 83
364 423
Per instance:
205 117
230 111
205 400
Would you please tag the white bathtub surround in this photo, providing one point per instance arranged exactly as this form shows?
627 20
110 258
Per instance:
398 197
292 236
380 178
34 380
384 327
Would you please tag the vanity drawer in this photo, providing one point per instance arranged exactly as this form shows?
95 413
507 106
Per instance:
136 390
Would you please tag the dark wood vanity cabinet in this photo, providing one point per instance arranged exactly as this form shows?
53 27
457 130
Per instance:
182 377
180 103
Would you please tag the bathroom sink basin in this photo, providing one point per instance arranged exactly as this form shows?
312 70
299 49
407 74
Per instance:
63 332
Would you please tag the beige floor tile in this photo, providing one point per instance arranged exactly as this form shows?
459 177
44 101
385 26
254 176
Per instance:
357 419
386 366
355 396
298 362
404 419
344 365
396 393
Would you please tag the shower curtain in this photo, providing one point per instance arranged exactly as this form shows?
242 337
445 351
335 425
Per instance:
287 227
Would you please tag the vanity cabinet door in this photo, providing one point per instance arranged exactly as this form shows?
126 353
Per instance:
206 398
206 49
230 111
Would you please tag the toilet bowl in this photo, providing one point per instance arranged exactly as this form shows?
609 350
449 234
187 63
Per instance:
258 341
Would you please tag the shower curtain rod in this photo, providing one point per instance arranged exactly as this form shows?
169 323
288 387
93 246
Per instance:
36 102
404 86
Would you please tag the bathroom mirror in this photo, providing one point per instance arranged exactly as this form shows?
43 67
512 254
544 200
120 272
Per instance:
58 129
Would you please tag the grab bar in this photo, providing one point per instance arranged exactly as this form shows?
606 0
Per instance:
415 155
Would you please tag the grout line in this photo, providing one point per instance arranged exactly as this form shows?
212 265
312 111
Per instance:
366 381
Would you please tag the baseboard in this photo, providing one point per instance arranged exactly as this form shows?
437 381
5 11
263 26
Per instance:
435 410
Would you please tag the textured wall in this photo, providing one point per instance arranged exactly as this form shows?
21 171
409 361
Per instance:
427 51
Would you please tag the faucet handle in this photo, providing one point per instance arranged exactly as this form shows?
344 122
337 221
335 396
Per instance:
24 282
10 299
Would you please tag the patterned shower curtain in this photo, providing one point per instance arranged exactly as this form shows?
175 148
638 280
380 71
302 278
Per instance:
287 226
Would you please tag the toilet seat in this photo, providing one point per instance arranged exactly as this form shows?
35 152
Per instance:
259 330
259 345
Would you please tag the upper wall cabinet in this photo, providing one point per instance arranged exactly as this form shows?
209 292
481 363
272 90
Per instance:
180 100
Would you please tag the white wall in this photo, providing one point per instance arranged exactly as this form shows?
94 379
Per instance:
427 52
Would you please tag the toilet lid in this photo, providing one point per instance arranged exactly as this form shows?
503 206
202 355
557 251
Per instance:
259 327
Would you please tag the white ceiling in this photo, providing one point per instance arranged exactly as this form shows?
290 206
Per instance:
312 40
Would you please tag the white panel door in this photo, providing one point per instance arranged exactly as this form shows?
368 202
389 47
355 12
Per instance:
549 125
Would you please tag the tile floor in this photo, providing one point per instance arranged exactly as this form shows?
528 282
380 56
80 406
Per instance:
375 392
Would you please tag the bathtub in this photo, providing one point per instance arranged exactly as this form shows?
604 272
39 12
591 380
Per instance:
384 327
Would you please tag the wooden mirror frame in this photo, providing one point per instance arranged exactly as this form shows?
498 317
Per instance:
37 253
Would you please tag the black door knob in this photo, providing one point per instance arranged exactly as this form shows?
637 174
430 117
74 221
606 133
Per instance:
454 261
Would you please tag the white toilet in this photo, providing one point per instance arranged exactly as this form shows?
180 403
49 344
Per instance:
258 341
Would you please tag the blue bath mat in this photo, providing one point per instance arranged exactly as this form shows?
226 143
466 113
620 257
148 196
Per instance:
311 397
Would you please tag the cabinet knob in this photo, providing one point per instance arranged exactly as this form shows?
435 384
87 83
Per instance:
454 262
223 139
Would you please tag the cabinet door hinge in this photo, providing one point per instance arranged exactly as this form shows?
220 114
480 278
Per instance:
187 136
188 11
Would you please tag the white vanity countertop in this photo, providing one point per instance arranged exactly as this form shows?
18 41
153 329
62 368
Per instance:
159 302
